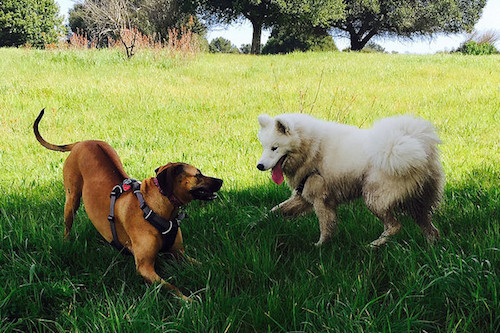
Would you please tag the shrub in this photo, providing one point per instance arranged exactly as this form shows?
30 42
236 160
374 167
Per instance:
475 48
480 43
222 45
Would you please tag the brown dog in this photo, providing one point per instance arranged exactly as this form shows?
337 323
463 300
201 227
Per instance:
93 169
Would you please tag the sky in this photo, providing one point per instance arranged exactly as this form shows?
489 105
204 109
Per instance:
241 33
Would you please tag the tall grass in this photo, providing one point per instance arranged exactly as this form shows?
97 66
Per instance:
258 273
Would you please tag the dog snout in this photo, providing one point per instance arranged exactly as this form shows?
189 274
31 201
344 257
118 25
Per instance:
261 167
216 183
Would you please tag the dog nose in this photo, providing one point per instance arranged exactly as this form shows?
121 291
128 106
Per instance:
260 166
218 183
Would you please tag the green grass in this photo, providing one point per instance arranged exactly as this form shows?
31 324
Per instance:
258 273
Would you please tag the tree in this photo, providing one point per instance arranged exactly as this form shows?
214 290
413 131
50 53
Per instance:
100 19
245 48
260 13
111 18
365 19
267 13
222 45
290 38
34 22
158 16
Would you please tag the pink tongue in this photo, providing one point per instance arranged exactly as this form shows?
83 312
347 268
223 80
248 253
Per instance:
277 173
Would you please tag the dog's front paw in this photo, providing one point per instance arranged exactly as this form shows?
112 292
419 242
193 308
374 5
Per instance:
185 299
320 242
191 260
378 242
275 210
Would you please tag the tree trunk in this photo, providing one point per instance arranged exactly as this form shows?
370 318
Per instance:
257 32
356 44
358 41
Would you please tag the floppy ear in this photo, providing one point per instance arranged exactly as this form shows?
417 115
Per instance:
163 167
282 127
264 120
166 178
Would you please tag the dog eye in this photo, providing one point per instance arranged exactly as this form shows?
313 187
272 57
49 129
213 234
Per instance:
274 148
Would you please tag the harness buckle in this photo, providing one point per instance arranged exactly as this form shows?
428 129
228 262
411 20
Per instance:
116 191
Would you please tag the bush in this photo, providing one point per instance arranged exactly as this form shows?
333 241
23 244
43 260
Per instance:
475 48
222 45
480 43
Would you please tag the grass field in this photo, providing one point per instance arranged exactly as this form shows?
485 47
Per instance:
258 273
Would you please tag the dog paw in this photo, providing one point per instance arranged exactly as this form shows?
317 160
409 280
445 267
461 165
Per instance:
192 260
185 299
319 243
275 211
378 242
432 237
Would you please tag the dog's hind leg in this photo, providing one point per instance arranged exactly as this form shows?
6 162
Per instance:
391 226
70 208
73 188
421 213
430 231
292 207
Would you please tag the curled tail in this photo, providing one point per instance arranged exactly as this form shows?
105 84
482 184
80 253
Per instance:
42 140
401 144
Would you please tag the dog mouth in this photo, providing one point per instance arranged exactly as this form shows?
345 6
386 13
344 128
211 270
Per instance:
203 194
208 191
277 171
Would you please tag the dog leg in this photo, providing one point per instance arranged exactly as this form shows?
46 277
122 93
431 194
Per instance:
145 263
292 207
73 196
327 217
425 223
178 251
391 227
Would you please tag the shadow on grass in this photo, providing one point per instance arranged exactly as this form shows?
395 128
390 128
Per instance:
244 253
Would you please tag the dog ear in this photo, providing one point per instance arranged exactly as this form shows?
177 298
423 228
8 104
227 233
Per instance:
264 120
282 127
166 178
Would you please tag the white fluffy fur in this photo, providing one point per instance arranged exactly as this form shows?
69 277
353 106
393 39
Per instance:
394 164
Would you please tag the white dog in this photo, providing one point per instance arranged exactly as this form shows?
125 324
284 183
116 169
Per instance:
394 165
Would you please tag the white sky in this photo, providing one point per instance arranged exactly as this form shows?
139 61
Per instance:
241 33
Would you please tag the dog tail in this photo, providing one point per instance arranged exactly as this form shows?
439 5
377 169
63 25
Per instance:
401 144
42 140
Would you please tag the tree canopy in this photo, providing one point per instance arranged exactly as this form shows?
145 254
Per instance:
222 45
33 22
365 19
290 38
267 13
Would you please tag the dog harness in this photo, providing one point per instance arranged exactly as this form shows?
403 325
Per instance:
302 183
166 228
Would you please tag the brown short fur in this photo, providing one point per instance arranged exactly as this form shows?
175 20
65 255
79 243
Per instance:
91 171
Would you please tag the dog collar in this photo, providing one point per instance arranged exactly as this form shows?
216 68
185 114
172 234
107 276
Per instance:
176 202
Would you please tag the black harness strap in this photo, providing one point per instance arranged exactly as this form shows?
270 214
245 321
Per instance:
167 228
117 191
302 183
